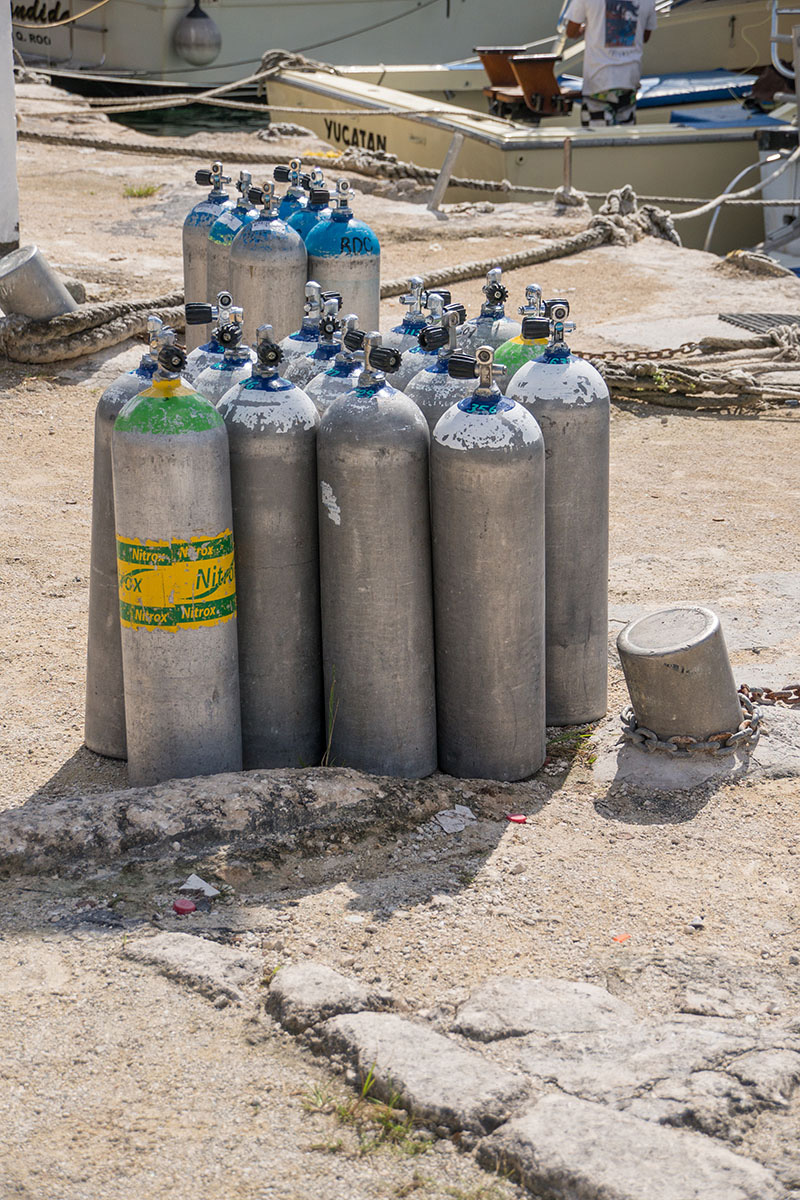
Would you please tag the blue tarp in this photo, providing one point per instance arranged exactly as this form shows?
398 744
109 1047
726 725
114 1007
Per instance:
689 87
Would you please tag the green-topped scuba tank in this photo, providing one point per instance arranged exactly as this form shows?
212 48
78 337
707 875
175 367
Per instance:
433 388
491 327
305 339
487 507
268 269
294 198
520 349
221 235
302 368
177 583
304 219
417 357
375 574
342 373
105 702
272 430
344 256
404 336
196 228
236 364
570 400
212 351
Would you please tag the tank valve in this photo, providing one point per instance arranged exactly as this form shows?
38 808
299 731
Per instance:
171 361
229 335
213 178
342 196
495 292
223 311
535 328
533 301
556 312
378 359
353 338
433 338
337 296
264 195
481 365
269 352
414 297
319 195
244 183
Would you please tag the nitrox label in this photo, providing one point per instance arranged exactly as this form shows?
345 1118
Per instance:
176 584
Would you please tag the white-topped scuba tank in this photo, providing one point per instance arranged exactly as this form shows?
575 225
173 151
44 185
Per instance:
105 702
196 228
305 339
344 256
491 327
404 336
342 373
294 198
520 349
224 312
236 364
487 508
302 368
268 269
570 401
272 430
303 220
433 388
375 575
221 235
416 358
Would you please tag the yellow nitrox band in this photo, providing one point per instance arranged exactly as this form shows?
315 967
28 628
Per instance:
176 584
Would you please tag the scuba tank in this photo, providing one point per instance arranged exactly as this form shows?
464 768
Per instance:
491 327
344 256
272 430
294 198
570 400
375 573
304 367
236 364
518 350
404 336
305 339
487 512
268 269
177 590
433 388
221 235
304 219
223 313
105 704
342 373
195 243
417 358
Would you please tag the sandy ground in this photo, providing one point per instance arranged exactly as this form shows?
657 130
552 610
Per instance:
118 1082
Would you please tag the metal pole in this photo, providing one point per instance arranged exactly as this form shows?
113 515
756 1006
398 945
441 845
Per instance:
796 61
9 196
567 165
440 187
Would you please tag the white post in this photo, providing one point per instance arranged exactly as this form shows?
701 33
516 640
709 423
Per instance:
440 187
9 196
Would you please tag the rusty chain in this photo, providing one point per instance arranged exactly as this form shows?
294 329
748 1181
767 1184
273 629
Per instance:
638 355
719 744
785 697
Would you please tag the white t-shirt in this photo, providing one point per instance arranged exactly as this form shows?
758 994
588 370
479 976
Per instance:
615 32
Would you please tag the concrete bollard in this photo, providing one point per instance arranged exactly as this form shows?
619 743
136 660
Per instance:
29 286
678 673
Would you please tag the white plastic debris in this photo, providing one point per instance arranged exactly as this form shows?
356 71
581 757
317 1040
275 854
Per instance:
195 884
453 820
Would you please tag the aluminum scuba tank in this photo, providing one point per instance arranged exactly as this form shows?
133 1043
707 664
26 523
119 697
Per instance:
294 199
304 219
344 256
487 511
417 358
375 572
404 336
570 401
236 364
518 350
491 327
223 313
433 388
268 269
196 228
272 430
105 702
177 590
305 339
343 372
221 235
304 367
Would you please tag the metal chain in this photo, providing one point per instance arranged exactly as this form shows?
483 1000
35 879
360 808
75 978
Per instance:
785 697
638 355
719 744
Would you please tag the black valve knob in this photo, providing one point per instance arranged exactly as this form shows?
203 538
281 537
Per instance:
332 296
282 174
203 178
172 359
461 366
269 354
354 339
433 338
198 314
459 309
445 295
384 358
305 181
229 335
319 195
556 310
534 328
256 195
496 293
328 325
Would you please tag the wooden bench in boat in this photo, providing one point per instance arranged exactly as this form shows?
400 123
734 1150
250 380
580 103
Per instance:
517 79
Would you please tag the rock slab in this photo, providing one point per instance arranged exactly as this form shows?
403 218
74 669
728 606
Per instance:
506 1007
424 1071
569 1149
305 994
218 972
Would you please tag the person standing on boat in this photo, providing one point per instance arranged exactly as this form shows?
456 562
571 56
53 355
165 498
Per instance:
615 32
